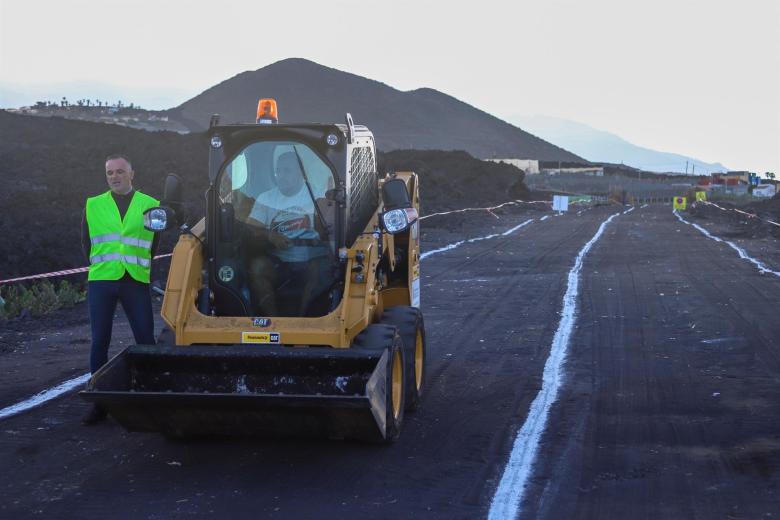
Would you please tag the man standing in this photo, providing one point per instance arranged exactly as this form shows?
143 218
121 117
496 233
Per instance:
120 252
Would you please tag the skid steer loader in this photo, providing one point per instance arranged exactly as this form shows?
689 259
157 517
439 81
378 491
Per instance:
293 306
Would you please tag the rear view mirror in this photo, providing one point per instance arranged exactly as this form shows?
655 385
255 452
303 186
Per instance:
173 197
172 193
395 195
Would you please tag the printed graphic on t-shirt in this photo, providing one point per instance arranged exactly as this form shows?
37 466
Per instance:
291 222
293 217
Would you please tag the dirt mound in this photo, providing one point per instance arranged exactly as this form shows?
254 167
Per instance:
740 223
454 180
48 166
769 208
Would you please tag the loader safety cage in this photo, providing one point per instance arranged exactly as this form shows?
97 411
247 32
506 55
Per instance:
353 192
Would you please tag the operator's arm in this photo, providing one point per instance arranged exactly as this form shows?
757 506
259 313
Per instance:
260 231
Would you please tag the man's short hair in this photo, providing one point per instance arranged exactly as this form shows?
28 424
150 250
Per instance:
120 156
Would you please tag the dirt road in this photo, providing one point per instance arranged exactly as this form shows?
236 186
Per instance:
668 408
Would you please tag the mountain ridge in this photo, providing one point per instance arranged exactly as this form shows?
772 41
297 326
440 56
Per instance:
423 118
602 146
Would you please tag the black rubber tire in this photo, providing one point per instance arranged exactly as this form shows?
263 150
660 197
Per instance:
378 337
409 322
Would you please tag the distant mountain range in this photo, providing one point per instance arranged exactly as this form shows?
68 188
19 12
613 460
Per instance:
600 146
423 119
419 119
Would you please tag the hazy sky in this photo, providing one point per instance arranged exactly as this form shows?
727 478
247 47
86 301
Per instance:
700 78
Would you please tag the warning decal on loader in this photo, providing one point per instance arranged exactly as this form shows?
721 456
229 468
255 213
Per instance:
260 337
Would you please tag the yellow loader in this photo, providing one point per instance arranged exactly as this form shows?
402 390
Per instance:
292 308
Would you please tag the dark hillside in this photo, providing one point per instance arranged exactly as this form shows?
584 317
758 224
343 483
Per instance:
419 119
48 166
454 180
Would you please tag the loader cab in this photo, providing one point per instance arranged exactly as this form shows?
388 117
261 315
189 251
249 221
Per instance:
278 212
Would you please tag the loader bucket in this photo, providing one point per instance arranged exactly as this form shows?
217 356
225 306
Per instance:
238 390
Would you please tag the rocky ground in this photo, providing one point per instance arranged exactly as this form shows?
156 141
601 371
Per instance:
668 406
756 234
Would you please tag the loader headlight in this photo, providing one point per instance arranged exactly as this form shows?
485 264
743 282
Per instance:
397 220
157 219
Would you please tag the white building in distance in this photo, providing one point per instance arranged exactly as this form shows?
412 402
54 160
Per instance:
529 166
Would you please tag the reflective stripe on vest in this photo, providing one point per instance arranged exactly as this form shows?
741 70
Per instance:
128 259
119 245
129 241
110 237
137 242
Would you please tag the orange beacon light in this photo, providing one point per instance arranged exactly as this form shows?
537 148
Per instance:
266 112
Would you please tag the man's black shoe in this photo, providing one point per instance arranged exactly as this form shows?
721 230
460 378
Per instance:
94 416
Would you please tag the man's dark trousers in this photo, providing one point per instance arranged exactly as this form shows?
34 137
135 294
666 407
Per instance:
102 296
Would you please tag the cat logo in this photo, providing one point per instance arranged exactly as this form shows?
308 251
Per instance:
261 322
264 338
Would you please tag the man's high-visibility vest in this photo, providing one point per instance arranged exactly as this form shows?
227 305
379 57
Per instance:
119 245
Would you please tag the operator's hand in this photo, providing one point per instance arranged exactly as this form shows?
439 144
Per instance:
278 240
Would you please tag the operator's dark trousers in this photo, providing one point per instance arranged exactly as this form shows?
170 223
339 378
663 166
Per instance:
137 303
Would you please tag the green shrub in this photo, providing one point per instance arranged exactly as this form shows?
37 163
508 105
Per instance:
40 298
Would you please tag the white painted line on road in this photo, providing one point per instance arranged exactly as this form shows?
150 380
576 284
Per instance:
454 245
643 206
742 254
511 230
629 210
546 217
506 501
47 395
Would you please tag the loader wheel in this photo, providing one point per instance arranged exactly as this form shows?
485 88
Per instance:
380 337
411 327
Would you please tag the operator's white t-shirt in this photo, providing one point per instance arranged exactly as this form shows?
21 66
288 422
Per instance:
292 216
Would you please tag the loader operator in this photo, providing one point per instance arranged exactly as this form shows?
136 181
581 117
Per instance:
285 216
119 250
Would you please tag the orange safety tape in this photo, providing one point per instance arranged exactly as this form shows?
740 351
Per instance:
60 273
489 210
751 215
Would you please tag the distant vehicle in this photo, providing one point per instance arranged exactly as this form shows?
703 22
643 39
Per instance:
764 190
